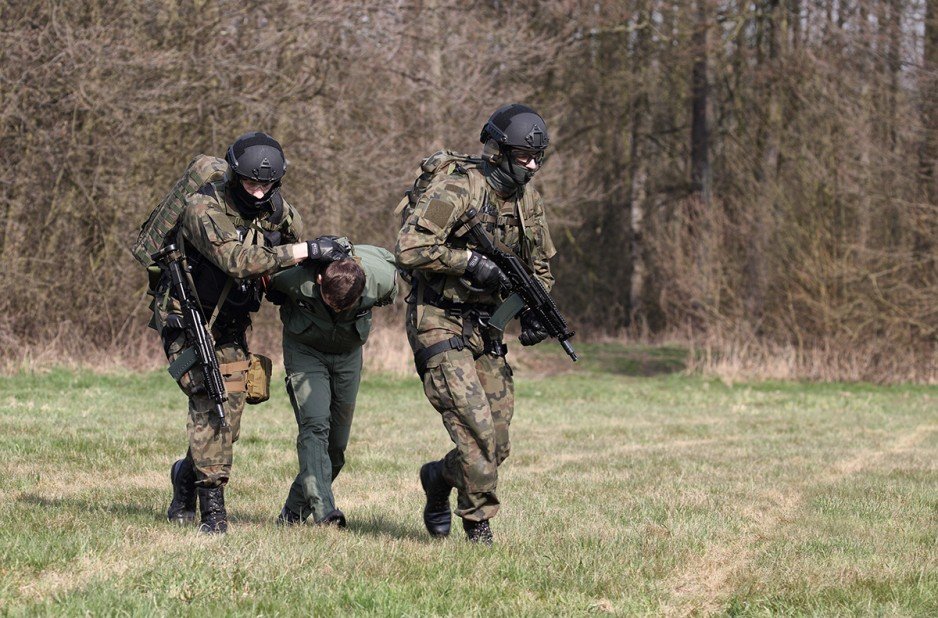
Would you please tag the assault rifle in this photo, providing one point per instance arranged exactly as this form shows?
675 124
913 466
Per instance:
202 352
527 291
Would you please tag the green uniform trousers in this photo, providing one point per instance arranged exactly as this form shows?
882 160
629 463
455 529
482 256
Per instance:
322 389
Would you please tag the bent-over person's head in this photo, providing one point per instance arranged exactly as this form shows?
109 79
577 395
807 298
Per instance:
341 284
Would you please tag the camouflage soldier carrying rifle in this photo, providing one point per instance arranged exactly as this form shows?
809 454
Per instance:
230 227
455 314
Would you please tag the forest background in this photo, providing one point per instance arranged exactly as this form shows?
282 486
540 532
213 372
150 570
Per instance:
758 180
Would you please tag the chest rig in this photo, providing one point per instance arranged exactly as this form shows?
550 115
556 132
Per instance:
229 300
505 221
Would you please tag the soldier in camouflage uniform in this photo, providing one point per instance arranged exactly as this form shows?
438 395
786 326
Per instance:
455 290
325 306
232 232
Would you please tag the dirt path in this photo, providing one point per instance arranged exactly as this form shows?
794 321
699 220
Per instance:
703 586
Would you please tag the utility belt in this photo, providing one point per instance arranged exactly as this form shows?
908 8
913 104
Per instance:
250 376
470 314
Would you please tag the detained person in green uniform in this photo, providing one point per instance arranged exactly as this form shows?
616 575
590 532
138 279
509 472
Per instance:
232 232
456 289
325 307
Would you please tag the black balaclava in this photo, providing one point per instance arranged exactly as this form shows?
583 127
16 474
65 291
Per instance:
508 177
246 204
500 180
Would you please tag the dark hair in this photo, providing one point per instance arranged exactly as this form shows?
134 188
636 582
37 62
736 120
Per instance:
343 282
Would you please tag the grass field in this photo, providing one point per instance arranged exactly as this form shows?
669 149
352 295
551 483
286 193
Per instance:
630 490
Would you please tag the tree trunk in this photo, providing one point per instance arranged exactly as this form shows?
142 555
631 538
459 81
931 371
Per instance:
928 161
701 174
638 172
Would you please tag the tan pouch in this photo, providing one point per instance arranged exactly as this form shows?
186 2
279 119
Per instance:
258 378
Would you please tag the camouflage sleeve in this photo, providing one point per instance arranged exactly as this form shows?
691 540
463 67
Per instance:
208 229
421 243
542 246
292 226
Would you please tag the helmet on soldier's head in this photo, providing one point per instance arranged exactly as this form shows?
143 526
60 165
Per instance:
258 157
516 126
515 132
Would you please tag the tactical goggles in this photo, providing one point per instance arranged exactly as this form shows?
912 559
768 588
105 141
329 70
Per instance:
524 157
250 185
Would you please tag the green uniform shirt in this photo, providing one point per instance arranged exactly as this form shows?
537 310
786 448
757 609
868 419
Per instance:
306 318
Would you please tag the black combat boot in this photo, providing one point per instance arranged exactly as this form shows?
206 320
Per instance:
212 507
182 508
478 531
289 518
437 516
335 518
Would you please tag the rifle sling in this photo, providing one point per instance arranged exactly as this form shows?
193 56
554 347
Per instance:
224 291
218 305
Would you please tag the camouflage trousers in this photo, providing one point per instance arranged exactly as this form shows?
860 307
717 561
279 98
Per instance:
210 444
475 396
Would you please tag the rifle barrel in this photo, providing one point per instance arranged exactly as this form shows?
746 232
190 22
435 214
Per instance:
569 350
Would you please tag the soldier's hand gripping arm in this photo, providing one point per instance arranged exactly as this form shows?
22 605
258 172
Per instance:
325 249
214 236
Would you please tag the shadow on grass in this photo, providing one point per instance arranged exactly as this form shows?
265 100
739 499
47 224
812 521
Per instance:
612 358
103 506
373 526
123 509
380 526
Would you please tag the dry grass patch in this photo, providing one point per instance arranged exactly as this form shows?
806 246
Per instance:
623 495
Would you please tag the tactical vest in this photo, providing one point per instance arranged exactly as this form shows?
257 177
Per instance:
241 296
503 219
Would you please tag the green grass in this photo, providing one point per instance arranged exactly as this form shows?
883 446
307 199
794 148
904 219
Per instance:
630 489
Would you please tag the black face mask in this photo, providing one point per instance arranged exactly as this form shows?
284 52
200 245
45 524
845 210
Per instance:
500 180
519 173
246 204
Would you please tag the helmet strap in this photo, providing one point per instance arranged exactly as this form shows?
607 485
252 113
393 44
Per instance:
491 152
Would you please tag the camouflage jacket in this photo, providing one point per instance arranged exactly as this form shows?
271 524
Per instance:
221 245
430 244
307 320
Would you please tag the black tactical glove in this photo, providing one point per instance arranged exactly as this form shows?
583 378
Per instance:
485 273
532 331
325 249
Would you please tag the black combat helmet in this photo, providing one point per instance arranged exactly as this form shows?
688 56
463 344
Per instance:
516 126
258 157
511 132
